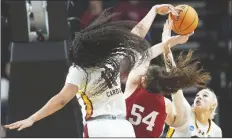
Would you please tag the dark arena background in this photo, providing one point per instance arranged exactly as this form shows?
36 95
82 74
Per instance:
34 61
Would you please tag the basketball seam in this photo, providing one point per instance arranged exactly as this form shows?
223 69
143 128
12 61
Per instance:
183 18
191 24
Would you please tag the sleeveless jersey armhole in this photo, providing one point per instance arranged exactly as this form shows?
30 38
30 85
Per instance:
76 76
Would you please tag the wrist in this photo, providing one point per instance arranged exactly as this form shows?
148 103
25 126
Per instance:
32 118
155 9
167 43
171 44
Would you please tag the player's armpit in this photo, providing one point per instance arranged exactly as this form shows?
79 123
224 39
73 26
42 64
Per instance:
137 72
134 78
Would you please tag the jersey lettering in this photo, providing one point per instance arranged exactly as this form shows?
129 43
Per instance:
149 119
108 78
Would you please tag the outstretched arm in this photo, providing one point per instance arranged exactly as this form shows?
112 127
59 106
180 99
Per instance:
138 71
144 25
141 30
135 75
179 110
55 103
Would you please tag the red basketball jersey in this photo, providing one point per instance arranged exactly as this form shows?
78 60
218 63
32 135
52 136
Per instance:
147 113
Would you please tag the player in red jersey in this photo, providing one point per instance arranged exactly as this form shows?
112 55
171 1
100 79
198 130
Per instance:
147 109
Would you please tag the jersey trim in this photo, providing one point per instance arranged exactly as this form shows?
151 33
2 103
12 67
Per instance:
86 100
88 105
210 125
170 132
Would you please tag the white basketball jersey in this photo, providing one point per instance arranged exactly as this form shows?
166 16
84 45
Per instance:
111 101
194 129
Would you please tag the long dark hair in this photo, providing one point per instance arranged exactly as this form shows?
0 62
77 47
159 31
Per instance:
186 73
103 42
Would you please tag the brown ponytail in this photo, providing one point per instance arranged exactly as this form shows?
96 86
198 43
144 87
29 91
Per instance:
185 74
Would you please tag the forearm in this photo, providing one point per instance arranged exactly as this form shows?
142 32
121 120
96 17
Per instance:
53 105
156 50
168 59
144 25
182 109
181 106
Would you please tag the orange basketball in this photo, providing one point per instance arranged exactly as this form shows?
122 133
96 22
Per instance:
187 20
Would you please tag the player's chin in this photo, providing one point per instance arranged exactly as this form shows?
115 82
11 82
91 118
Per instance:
199 108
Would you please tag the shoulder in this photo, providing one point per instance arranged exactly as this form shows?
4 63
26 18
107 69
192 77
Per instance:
214 125
75 70
170 119
168 104
75 75
167 101
217 130
137 72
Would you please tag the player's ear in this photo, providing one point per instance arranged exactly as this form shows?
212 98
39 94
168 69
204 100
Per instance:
213 105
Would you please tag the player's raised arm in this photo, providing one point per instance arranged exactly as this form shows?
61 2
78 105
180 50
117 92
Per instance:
179 114
134 77
190 75
55 103
182 110
144 25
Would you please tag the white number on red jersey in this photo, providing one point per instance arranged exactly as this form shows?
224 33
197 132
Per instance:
149 119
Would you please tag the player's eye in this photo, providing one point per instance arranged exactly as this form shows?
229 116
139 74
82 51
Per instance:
205 95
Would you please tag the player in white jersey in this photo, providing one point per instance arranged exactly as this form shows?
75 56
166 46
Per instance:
101 108
195 121
96 53
198 118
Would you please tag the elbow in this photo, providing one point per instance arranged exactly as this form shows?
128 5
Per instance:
60 101
66 94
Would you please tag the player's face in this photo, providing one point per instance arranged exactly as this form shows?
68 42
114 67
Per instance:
203 100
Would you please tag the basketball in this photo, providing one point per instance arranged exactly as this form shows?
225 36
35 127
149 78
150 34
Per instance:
187 20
